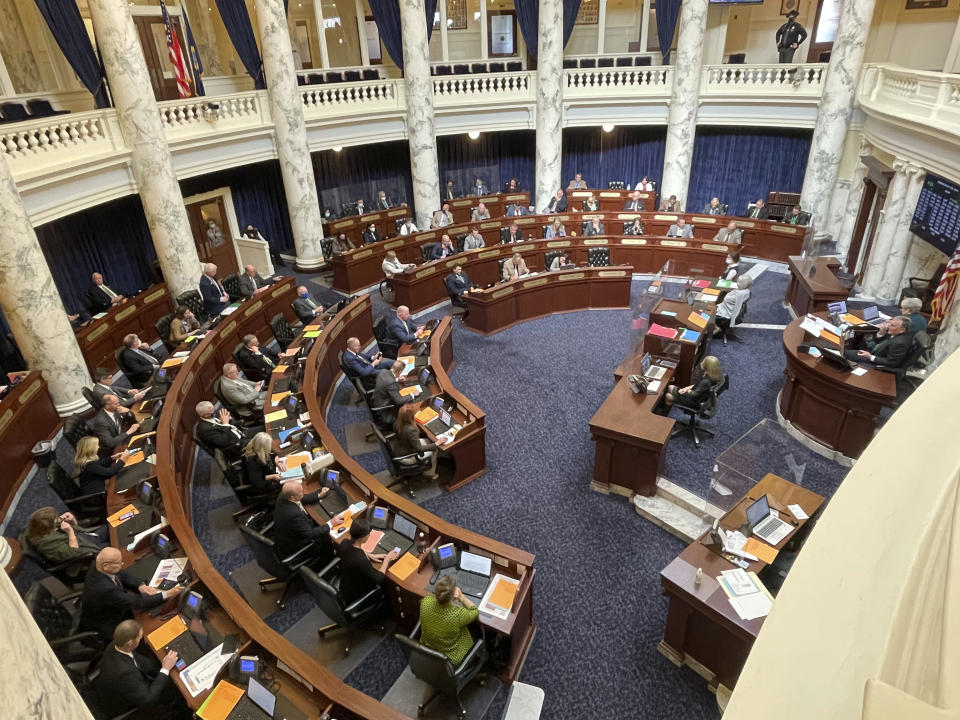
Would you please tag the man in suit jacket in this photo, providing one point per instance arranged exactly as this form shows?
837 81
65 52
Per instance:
515 267
251 283
594 228
796 216
479 189
386 393
479 213
137 361
243 397
635 203
109 423
99 297
578 183
215 298
512 234
217 433
759 210
293 528
458 283
590 204
444 249
730 234
442 218
408 227
383 202
102 388
133 680
670 204
360 208
557 204
516 209
680 229
400 329
474 241
256 362
371 235
713 207
893 353
363 365
111 595
306 308
450 192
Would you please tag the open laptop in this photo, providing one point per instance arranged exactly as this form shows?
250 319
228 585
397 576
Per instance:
336 500
402 535
761 524
871 316
649 370
474 574
259 703
442 422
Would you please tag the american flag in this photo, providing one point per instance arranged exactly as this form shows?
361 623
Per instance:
947 288
176 57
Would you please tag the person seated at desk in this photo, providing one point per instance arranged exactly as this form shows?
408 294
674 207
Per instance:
796 216
450 191
408 441
409 226
479 188
386 392
306 308
759 210
244 398
392 266
217 433
400 329
479 213
560 261
513 234
473 241
342 244
293 528
594 228
99 297
731 309
363 365
578 183
892 352
590 204
57 539
442 218
251 283
670 204
692 396
260 464
357 574
184 323
633 228
371 235
383 202
133 680
444 249
138 360
359 207
108 425
257 363
111 594
730 234
732 271
511 185
444 626
78 319
91 470
556 229
516 209
514 267
644 184
635 203
215 298
102 387
557 204
910 308
458 283
680 229
713 207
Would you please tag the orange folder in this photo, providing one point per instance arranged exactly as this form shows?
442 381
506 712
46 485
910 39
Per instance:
405 566
174 361
425 415
764 552
161 637
115 520
698 320
710 291
371 544
295 460
134 458
411 390
827 335
503 594
220 703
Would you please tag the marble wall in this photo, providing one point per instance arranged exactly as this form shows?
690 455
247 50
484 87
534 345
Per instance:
204 35
549 102
18 56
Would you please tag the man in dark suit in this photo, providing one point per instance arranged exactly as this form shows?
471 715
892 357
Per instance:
557 204
215 298
306 308
443 249
357 575
516 210
217 433
137 361
251 283
293 528
759 210
257 363
363 365
109 425
383 202
458 283
796 216
386 393
99 297
371 235
894 352
111 595
360 208
479 189
450 192
400 329
635 203
102 387
512 234
134 680
594 228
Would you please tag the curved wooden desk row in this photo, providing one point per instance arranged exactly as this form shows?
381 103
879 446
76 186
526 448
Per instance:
765 239
507 304
423 286
99 339
830 405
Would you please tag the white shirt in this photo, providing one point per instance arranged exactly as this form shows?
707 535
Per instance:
648 187
408 228
393 267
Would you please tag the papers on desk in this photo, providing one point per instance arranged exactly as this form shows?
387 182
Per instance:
174 361
312 334
275 416
661 331
710 291
199 677
797 511
700 284
746 593
409 363
690 335
725 284
698 319
405 566
229 310
168 569
850 319
141 535
411 390
706 297
859 371
764 552
811 326
426 415
134 458
171 629
295 460
192 338
371 544
284 434
182 353
277 397
99 315
498 599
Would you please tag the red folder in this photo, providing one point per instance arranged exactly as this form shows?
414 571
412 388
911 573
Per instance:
661 331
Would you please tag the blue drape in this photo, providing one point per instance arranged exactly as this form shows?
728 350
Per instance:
667 13
528 17
66 26
258 199
625 154
493 157
386 13
237 22
357 172
743 164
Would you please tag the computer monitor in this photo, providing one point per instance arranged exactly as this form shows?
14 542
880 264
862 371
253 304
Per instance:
261 697
475 563
757 511
437 403
424 377
445 418
379 517
192 605
145 492
404 527
332 480
837 308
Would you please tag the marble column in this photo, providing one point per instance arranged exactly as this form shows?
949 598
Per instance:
851 209
17 54
144 134
891 245
424 167
836 108
550 77
293 152
204 34
32 305
684 101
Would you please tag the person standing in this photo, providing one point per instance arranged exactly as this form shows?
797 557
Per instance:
790 36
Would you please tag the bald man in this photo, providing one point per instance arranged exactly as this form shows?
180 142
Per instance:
215 298
100 297
251 283
400 328
306 307
111 595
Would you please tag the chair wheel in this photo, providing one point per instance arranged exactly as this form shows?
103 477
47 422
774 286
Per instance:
281 605
263 588
346 651
419 710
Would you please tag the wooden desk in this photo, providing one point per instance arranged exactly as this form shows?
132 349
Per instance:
507 304
830 405
813 284
702 628
100 339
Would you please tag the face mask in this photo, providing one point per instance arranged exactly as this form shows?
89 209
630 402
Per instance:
305 295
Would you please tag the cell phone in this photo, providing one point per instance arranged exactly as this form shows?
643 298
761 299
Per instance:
397 550
127 516
181 664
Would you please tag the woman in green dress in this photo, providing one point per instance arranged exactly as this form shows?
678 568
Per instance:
444 624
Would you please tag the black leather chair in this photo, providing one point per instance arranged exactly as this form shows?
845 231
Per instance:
514 66
604 62
40 107
282 331
162 326
444 70
495 67
192 299
385 343
74 428
371 74
89 509
569 63
351 75
624 62
500 264
283 570
642 61
588 62
251 413
14 112
426 250
315 78
478 68
231 283
200 443
737 59
364 392
706 410
461 69
91 398
438 672
921 347
334 77
359 613
598 257
400 472
249 497
69 572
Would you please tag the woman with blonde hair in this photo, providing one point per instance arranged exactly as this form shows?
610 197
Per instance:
260 464
692 395
443 625
555 230
90 471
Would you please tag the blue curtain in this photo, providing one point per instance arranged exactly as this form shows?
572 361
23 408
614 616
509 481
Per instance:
112 239
743 164
237 22
386 13
66 26
258 199
528 17
667 13
493 157
625 154
359 172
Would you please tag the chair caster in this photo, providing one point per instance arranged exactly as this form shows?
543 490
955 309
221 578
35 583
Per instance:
281 605
346 651
419 710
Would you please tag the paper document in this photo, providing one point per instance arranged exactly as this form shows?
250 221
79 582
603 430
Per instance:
229 310
497 601
173 362
405 566
690 335
764 552
811 326
199 675
859 371
668 313
750 607
141 535
134 458
275 416
161 637
295 460
700 284
707 298
122 515
312 334
182 353
661 331
797 512
725 284
411 390
220 702
277 397
168 569
697 319
739 582
371 544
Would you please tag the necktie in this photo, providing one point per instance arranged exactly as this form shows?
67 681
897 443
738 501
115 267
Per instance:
267 360
153 360
756 211
108 291
116 581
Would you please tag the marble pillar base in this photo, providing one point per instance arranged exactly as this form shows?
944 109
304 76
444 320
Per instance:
72 407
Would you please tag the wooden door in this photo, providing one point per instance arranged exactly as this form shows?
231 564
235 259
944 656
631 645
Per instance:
214 242
153 40
821 35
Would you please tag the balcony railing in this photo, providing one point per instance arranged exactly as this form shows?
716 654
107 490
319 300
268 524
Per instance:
37 146
450 90
774 81
598 82
925 98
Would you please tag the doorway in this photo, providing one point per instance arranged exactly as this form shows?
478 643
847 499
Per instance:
153 40
212 234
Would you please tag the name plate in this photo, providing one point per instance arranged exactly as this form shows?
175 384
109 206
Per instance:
427 271
573 276
612 193
451 264
488 254
362 254
502 293
612 273
98 331
30 392
357 310
228 327
393 244
536 283
746 224
712 246
525 221
187 384
785 229
671 218
579 194
253 308
489 224
709 220
340 224
488 199
400 212
205 353
673 243
522 248
125 313
336 330
592 216
633 241
5 419
155 295
277 292
461 203
628 216
595 241
558 243
428 235
514 196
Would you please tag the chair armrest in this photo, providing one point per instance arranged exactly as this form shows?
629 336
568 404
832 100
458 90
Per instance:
476 655
357 605
298 555
415 632
76 637
78 560
407 457
381 408
329 567
83 498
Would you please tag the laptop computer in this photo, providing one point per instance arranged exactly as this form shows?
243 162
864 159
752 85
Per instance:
649 370
761 524
137 524
402 535
871 316
335 501
259 703
474 574
441 423
197 641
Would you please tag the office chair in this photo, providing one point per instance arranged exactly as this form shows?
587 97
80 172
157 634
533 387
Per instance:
41 107
316 78
461 69
706 410
478 68
254 414
192 299
326 246
723 324
91 398
14 112
200 443
231 283
250 498
334 77
921 345
386 285
500 264
495 67
345 617
400 472
385 343
642 61
569 63
283 570
588 63
737 59
249 372
363 391
438 672
514 66
604 62
74 428
371 74
282 331
351 75
162 326
69 572
426 250
460 239
598 257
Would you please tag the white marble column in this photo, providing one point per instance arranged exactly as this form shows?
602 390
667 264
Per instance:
549 101
888 256
836 108
286 108
684 101
424 167
32 305
144 133
851 209
204 34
